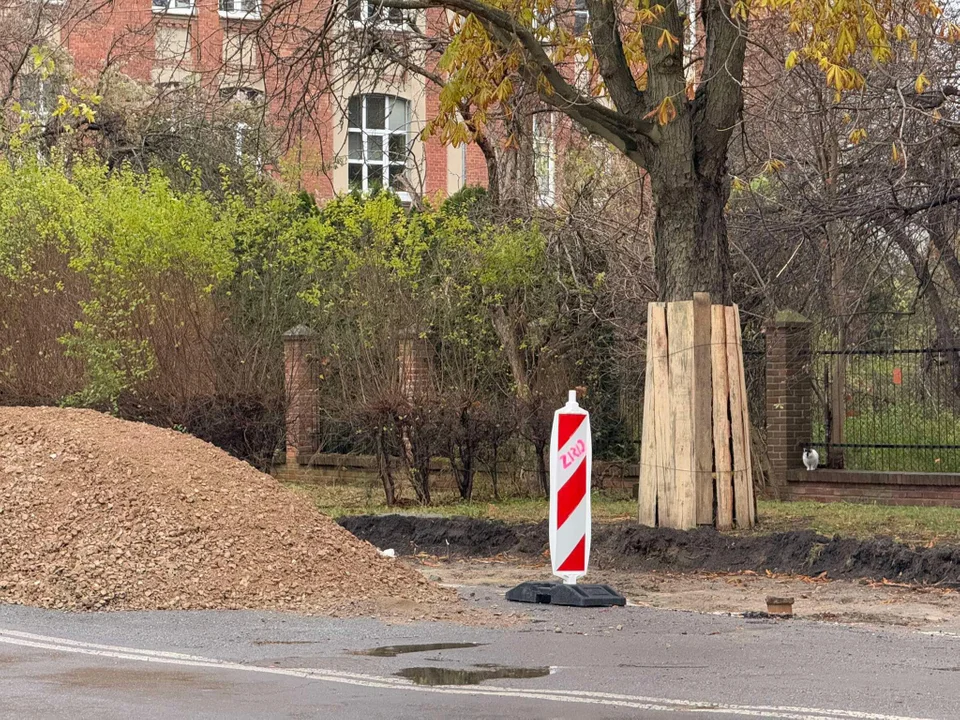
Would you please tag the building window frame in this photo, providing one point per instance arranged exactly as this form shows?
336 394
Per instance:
545 158
253 100
364 13
378 142
39 94
236 10
581 16
175 7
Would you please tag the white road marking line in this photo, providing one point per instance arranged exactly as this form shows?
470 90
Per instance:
13 637
939 633
829 714
95 646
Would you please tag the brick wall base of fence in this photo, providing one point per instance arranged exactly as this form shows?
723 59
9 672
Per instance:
361 470
881 488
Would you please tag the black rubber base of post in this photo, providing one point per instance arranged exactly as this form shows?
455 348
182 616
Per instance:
561 594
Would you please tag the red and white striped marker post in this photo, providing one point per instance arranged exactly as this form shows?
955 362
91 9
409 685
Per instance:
571 458
570 465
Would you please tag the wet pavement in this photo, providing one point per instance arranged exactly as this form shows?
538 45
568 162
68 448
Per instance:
394 650
567 663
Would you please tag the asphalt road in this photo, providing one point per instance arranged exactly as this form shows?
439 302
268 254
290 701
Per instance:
661 665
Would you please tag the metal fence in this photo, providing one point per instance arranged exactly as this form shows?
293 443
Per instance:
887 409
755 374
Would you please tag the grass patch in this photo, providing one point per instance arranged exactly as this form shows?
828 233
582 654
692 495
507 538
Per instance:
913 525
917 409
346 500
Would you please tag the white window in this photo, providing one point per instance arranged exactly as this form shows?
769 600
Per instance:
242 9
174 7
244 95
580 17
369 12
378 141
544 23
242 129
544 159
39 95
246 137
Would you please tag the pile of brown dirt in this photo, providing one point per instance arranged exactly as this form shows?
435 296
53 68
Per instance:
100 513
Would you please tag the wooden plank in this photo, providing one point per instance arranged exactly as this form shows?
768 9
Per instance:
748 448
741 495
702 409
647 495
681 342
721 419
662 418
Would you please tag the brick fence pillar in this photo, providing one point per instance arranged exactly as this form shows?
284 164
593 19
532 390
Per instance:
299 346
788 395
413 358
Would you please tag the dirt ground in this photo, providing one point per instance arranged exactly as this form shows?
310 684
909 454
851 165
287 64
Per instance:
627 546
867 602
97 513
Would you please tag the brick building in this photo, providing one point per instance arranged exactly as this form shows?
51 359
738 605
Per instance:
361 134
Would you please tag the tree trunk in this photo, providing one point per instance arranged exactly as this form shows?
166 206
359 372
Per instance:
543 472
507 335
465 478
417 469
494 475
690 235
386 475
928 289
688 163
937 228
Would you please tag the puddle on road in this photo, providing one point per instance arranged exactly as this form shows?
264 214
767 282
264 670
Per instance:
153 680
474 676
394 650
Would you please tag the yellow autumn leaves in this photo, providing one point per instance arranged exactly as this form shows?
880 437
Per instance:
838 38
664 112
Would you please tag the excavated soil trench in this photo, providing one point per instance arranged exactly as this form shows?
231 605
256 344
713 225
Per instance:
627 546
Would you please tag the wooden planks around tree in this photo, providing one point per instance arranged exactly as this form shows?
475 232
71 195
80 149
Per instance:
695 460
681 401
647 492
702 407
739 422
663 461
721 418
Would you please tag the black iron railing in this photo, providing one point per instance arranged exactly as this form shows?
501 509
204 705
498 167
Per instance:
887 409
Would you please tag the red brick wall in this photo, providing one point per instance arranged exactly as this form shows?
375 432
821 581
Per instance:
434 151
787 396
117 35
881 488
122 35
301 391
476 166
413 358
